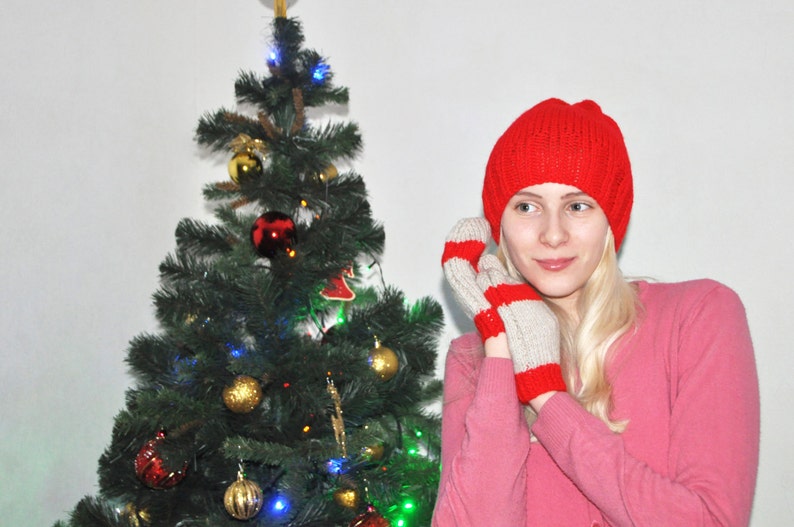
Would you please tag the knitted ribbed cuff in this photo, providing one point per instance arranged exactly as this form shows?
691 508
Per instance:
545 378
489 323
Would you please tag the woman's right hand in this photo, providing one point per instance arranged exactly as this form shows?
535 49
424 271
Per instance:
500 304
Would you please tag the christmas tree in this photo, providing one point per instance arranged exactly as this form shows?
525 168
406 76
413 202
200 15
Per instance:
282 388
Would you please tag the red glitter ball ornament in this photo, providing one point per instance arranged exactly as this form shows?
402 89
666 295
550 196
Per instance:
150 468
273 232
371 518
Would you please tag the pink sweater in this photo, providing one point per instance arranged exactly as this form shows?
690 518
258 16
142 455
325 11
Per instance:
686 381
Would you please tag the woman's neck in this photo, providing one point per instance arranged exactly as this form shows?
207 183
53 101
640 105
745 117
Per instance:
567 307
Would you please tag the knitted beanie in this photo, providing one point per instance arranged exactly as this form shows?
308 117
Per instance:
556 142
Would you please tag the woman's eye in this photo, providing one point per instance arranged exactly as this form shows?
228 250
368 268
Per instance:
580 206
526 207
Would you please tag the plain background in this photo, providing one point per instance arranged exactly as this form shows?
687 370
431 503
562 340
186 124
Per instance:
99 102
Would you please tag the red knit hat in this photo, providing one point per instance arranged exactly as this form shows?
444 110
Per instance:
556 142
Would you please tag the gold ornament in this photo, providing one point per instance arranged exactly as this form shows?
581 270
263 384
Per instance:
373 452
280 8
336 420
347 498
384 361
243 395
328 173
244 143
244 166
136 517
243 498
193 318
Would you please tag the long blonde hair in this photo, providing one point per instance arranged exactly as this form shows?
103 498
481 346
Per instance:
607 309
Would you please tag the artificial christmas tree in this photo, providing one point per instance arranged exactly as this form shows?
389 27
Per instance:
282 388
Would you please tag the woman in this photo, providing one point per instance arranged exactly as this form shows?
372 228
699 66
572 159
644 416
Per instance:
586 400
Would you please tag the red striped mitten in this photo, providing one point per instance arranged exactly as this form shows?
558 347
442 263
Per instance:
533 332
465 244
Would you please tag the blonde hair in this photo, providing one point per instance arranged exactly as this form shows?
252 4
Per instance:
607 309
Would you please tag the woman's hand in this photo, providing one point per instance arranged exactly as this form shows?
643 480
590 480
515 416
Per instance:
533 332
500 305
464 246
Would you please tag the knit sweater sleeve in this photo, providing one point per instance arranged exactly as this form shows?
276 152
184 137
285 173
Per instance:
714 432
485 443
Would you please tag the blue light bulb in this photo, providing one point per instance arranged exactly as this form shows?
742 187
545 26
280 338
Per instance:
273 58
235 351
336 466
279 505
319 73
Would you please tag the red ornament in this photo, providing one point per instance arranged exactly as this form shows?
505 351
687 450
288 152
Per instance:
150 468
337 288
371 518
273 232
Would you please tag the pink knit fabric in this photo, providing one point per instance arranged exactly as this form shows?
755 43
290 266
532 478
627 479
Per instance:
686 381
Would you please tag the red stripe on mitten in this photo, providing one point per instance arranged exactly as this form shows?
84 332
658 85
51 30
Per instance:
469 250
504 294
534 382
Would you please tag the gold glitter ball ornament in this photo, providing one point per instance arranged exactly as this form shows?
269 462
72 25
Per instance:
373 452
136 517
244 166
243 499
384 361
328 173
347 498
243 395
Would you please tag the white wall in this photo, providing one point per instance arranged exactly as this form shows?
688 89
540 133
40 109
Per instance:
99 101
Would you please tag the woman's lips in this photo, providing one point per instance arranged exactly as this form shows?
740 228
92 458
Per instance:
555 264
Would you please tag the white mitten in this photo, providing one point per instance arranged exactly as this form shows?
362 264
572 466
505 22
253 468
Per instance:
464 246
533 332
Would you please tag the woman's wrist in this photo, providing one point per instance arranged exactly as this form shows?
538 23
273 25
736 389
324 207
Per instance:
538 402
497 347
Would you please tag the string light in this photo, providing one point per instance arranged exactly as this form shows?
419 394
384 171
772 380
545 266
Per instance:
234 351
319 73
336 466
279 505
409 507
273 58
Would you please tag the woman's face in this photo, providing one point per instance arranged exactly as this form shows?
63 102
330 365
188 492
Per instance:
554 235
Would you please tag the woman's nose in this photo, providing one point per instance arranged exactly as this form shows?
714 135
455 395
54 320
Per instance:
553 233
